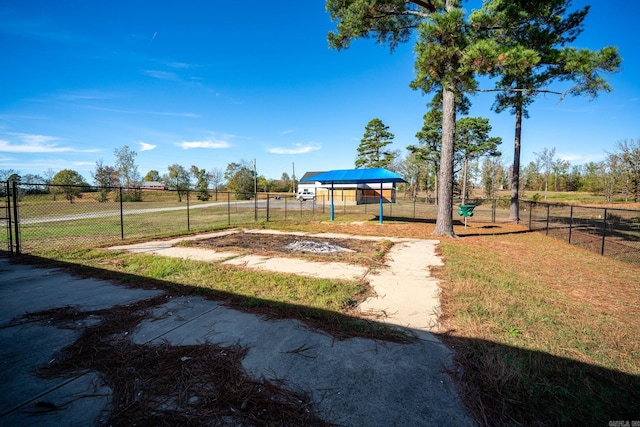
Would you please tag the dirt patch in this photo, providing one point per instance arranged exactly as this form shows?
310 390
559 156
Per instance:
354 251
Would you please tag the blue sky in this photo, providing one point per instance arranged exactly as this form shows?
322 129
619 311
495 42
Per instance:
208 83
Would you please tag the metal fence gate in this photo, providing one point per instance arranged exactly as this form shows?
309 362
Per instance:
9 216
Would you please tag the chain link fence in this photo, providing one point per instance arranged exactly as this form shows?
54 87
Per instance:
68 217
610 232
39 217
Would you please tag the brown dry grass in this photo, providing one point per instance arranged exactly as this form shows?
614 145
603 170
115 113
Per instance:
409 229
545 332
606 286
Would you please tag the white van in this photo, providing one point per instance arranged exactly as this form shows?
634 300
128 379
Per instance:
305 195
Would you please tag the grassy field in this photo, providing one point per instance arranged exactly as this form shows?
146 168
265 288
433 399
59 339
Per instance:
580 198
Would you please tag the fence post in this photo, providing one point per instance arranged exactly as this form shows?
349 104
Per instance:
570 222
255 207
8 214
267 207
285 207
228 208
414 207
188 216
547 232
604 231
493 211
121 217
16 219
530 213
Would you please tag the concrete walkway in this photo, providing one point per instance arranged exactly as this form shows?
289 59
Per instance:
406 294
353 382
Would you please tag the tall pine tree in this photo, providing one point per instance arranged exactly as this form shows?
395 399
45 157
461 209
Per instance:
441 64
473 141
525 46
371 151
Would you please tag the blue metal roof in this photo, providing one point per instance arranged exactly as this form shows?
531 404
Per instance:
355 176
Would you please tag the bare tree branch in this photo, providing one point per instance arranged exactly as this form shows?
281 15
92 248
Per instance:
526 91
384 14
430 7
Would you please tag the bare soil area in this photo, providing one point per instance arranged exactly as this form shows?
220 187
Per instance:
354 251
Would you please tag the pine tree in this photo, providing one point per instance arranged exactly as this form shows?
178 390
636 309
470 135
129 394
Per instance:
441 64
371 152
473 141
525 46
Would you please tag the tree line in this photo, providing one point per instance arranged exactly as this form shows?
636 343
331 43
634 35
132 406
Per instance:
478 165
239 178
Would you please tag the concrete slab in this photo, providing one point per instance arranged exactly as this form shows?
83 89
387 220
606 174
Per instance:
355 382
54 290
406 294
326 270
25 346
79 402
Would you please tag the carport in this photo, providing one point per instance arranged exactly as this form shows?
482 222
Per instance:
357 176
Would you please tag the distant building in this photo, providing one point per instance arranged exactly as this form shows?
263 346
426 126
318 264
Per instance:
360 193
152 185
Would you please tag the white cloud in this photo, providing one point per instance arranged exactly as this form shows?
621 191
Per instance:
286 132
179 65
85 96
146 147
578 159
157 113
33 139
162 75
297 149
209 143
33 143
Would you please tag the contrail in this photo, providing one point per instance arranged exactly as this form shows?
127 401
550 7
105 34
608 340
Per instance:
154 36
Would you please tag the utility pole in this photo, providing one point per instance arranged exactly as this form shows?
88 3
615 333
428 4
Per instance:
255 191
255 178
